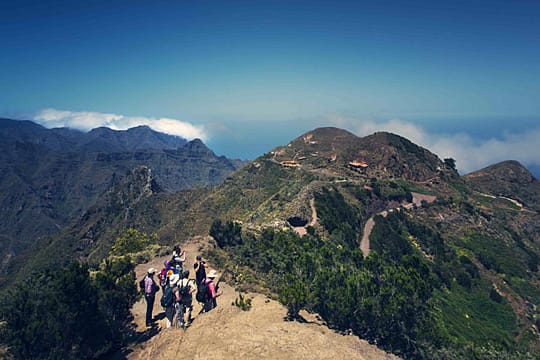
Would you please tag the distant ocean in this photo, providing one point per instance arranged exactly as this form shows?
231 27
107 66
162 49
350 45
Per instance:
535 170
484 128
481 127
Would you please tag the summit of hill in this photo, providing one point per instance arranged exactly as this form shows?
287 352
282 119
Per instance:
509 179
381 154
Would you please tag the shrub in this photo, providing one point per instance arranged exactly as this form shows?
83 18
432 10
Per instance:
293 295
69 314
132 241
242 302
228 234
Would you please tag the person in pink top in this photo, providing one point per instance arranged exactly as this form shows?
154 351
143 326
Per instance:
212 292
150 289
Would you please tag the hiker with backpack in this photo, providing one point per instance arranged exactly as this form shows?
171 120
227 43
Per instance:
209 290
178 258
164 274
150 288
200 270
185 288
170 297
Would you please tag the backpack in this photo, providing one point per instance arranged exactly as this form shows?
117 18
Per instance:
202 292
184 289
141 284
163 277
167 298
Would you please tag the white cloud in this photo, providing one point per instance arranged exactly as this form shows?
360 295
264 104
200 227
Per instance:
87 120
408 130
470 154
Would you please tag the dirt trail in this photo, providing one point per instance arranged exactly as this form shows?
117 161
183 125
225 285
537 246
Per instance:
313 212
302 230
515 202
364 243
228 332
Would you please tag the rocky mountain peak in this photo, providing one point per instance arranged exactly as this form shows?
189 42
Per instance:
196 145
138 138
325 139
139 183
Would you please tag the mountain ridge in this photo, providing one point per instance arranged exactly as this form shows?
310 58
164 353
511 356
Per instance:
51 176
462 268
102 139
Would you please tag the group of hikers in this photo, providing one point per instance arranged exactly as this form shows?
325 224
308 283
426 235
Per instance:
178 289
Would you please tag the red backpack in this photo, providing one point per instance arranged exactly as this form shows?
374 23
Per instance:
163 277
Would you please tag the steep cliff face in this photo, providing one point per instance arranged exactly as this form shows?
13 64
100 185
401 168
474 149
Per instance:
51 176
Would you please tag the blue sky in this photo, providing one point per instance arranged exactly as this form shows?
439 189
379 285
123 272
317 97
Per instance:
247 76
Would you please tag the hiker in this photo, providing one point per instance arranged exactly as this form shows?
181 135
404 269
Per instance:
212 293
164 274
150 289
169 298
200 270
178 257
185 288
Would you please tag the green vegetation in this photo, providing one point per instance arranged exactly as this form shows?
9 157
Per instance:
69 313
242 302
228 234
497 201
450 163
471 316
466 309
416 295
257 190
498 255
391 190
383 302
339 218
132 241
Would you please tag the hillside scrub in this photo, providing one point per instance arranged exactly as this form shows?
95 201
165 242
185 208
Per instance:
69 313
469 312
382 302
414 295
132 241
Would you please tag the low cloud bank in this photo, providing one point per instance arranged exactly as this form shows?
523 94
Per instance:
470 154
87 120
